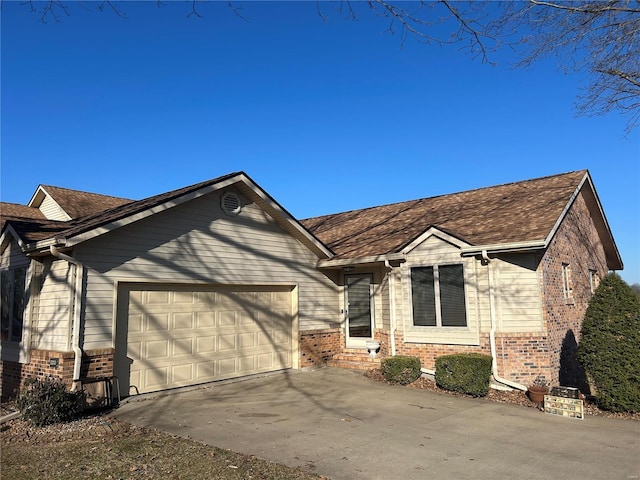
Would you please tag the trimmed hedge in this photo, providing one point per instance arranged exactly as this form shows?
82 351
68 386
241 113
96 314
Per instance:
401 369
609 348
468 373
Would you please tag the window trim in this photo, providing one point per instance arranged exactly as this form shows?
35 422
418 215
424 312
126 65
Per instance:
438 301
567 283
594 280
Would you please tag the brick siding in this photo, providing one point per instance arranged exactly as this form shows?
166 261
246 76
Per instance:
319 346
577 244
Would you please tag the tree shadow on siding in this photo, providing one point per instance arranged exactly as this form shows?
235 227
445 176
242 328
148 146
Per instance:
571 373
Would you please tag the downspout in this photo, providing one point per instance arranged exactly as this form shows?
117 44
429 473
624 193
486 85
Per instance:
392 307
492 332
77 299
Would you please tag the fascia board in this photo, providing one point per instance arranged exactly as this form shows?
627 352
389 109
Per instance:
504 247
37 197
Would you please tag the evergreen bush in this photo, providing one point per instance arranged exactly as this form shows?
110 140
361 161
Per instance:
468 373
46 401
609 348
401 369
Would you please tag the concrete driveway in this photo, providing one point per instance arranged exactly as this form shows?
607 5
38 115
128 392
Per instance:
339 424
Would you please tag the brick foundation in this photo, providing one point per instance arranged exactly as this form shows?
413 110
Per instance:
95 363
317 347
520 357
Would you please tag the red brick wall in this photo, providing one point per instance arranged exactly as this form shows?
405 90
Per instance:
519 357
318 346
95 363
577 244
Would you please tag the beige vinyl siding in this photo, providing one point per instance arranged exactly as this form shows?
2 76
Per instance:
482 295
384 315
517 294
435 251
50 321
197 243
52 210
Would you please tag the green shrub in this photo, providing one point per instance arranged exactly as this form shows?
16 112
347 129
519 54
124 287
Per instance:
468 373
401 369
46 401
609 348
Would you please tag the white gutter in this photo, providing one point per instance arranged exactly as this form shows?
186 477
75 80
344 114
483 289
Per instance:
392 307
492 332
346 262
77 299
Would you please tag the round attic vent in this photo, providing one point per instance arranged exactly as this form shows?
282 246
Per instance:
230 203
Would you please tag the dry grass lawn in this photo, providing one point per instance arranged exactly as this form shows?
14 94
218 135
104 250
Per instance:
101 447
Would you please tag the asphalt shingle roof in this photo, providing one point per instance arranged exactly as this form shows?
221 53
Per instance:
80 204
514 212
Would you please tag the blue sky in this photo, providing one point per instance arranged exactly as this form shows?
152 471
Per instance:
326 114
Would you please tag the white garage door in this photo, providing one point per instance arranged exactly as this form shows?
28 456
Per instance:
181 336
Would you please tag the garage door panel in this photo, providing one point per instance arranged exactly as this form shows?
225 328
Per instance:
205 319
227 343
157 297
182 297
227 318
247 364
182 374
136 322
154 378
156 349
205 345
156 322
205 371
182 347
182 321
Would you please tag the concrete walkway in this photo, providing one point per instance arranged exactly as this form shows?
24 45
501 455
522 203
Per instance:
339 424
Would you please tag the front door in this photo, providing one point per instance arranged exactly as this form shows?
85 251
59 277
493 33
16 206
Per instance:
358 309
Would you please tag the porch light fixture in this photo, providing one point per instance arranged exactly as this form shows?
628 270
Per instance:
54 362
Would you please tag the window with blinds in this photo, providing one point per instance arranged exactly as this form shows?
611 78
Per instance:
438 296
